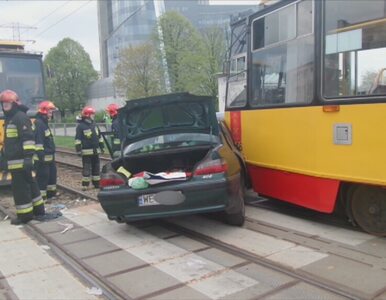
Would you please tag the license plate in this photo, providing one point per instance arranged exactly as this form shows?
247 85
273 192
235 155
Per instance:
147 200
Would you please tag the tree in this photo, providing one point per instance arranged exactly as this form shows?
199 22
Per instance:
69 73
183 52
367 81
138 72
215 48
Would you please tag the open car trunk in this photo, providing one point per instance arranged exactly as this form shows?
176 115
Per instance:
171 160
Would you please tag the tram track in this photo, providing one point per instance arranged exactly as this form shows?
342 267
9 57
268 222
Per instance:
281 207
73 264
78 267
251 224
111 292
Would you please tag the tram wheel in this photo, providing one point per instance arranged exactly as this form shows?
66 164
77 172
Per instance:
368 205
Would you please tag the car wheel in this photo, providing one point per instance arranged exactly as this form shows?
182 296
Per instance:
237 219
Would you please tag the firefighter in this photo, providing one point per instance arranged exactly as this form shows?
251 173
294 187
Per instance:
19 147
89 144
45 151
112 110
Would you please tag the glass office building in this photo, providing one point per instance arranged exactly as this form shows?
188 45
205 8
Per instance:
131 22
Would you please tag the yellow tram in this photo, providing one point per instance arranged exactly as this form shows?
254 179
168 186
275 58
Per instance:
22 72
306 102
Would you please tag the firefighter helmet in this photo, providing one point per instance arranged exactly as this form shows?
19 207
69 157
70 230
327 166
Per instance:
112 109
9 96
87 111
45 106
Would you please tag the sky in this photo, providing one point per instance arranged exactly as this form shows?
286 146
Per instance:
54 20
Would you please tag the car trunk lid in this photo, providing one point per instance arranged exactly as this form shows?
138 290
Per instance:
172 113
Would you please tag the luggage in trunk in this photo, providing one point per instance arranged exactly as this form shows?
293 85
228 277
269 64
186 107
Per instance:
171 160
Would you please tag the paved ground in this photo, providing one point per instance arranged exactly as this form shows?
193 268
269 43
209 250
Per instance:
149 260
28 271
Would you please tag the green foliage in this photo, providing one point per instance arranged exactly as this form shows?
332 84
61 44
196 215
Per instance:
193 58
100 117
69 73
64 141
138 73
69 119
183 51
215 48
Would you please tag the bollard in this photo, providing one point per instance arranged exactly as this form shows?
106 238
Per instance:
65 129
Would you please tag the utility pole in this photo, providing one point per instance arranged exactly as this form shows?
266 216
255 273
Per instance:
16 36
159 7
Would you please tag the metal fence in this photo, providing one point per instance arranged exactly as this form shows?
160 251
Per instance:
69 129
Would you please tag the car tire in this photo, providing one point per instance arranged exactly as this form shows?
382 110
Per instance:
238 219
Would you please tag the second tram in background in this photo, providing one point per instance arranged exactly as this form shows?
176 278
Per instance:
22 72
306 102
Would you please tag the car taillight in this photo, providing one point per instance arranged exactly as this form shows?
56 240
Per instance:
111 179
211 167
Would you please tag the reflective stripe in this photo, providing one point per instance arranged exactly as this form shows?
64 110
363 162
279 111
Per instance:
35 157
48 157
87 151
24 208
78 142
10 126
47 132
11 133
36 199
87 133
29 145
51 187
38 203
86 179
96 178
116 141
43 193
15 164
39 147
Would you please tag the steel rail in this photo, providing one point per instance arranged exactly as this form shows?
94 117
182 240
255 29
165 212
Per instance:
239 252
71 263
244 254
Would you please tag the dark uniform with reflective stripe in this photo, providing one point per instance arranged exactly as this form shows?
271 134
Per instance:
45 157
88 142
116 142
19 147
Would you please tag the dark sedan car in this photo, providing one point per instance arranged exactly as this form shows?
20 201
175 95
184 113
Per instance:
176 159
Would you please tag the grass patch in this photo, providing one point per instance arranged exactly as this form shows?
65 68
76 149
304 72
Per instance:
64 141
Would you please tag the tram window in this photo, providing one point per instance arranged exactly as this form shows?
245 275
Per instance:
355 48
283 73
274 28
304 18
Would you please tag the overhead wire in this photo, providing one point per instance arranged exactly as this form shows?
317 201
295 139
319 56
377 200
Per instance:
50 14
65 17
